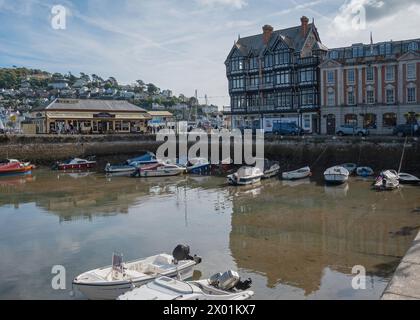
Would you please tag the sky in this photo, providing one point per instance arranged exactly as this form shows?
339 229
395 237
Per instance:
180 44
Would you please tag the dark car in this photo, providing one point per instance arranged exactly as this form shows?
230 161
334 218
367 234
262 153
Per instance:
287 128
403 130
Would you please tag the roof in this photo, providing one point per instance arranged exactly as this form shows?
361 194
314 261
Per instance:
160 113
292 37
93 105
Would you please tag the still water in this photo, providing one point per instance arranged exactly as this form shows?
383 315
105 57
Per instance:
296 240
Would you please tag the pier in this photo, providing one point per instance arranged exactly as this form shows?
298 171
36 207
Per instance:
405 284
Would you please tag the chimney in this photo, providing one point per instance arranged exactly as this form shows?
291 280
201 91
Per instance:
304 25
267 32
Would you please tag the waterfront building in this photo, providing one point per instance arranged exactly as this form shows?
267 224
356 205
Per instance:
93 116
160 119
274 77
374 86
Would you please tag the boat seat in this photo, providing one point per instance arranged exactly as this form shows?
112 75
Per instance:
134 274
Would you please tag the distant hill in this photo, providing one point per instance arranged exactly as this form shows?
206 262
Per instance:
12 77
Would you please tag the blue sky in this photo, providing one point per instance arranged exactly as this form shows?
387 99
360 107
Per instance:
178 44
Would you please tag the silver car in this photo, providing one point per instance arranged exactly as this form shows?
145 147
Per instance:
350 130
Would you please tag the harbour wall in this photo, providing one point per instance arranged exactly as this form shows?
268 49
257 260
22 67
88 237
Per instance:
292 152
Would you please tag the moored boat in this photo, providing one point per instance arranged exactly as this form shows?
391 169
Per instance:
245 176
132 164
158 170
351 167
364 171
198 166
271 169
12 166
75 164
226 286
108 283
406 178
297 174
336 175
387 180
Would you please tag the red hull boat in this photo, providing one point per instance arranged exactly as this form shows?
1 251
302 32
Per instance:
76 164
15 167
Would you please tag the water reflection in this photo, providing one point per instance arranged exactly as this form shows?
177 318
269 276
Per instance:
292 238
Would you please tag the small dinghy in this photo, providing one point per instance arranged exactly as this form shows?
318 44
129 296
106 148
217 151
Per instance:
245 176
108 283
75 164
158 170
364 171
406 178
198 166
297 174
336 175
351 167
387 180
271 169
226 286
132 164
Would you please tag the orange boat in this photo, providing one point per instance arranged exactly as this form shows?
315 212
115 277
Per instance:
14 166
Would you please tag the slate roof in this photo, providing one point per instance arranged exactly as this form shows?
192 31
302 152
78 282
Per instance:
291 36
93 105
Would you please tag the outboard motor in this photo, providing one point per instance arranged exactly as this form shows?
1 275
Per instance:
229 280
182 252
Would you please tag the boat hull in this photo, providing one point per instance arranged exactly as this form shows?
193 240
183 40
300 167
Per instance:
83 166
243 181
161 173
335 179
12 171
111 291
201 169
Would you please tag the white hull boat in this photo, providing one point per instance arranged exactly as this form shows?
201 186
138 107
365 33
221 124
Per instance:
406 178
336 175
160 170
297 174
364 171
229 287
271 169
351 167
387 180
245 176
109 282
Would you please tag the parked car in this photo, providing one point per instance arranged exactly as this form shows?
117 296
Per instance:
351 130
403 130
287 128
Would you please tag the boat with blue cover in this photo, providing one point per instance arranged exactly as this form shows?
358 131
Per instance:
198 166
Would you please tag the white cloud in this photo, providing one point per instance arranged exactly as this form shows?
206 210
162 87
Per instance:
238 4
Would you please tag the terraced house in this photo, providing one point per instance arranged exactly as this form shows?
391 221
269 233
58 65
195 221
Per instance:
274 77
375 86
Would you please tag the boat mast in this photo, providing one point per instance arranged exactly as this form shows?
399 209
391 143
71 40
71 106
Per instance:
402 155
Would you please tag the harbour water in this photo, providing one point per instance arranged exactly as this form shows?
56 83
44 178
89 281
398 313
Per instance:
296 240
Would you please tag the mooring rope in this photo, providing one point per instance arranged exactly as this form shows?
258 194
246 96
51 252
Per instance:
319 157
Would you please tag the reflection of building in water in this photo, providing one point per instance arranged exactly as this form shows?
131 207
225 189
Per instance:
83 198
292 234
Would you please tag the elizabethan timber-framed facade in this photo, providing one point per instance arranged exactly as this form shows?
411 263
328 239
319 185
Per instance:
274 77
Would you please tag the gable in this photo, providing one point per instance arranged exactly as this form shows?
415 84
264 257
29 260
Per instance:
329 63
309 43
411 55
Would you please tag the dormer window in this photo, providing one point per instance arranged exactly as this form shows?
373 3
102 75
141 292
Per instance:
413 46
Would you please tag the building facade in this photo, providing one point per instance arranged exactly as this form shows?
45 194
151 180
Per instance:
92 116
274 77
374 86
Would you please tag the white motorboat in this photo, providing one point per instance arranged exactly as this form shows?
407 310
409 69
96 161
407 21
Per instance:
245 176
387 180
336 175
271 169
159 170
351 167
364 171
297 174
406 178
226 286
109 282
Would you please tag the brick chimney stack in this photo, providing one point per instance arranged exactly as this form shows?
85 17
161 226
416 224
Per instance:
267 32
304 25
